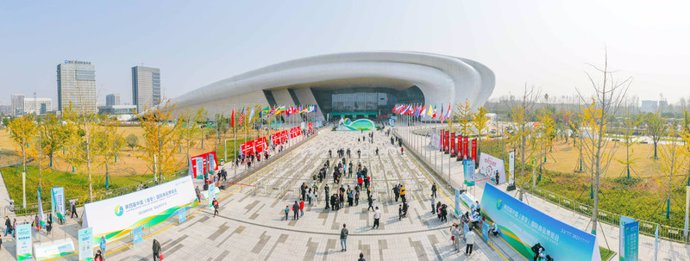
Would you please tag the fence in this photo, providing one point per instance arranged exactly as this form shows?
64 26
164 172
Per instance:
646 227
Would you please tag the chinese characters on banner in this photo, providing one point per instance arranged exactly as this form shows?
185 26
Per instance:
295 132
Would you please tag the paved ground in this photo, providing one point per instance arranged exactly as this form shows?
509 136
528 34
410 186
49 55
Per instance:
667 250
250 224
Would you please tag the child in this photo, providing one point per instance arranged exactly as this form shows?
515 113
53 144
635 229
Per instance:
287 211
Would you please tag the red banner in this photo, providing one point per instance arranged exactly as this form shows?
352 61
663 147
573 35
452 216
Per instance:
260 145
453 148
247 148
295 132
310 126
206 159
465 147
474 150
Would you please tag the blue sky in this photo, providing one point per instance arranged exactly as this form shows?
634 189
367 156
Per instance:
543 43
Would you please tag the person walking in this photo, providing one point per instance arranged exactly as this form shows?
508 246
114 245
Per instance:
377 217
400 212
102 245
343 238
433 205
156 250
73 209
215 207
433 190
357 197
287 211
470 242
456 237
361 257
98 256
326 190
8 226
301 208
371 203
396 192
295 209
403 193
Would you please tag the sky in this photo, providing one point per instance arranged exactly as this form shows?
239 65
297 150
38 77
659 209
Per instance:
546 44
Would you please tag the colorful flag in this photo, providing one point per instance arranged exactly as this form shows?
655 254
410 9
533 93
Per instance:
440 117
232 119
241 117
251 115
430 111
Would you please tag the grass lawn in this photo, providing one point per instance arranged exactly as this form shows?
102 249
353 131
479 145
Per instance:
606 253
76 185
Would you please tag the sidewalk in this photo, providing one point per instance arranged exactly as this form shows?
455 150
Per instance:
668 250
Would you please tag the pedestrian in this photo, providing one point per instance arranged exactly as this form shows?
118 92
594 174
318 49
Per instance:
377 151
403 192
361 257
396 192
371 203
0 241
433 190
156 250
8 225
433 205
377 217
402 151
343 238
400 212
326 190
497 178
215 207
470 242
301 207
73 209
309 197
102 245
98 256
456 237
287 211
357 198
295 209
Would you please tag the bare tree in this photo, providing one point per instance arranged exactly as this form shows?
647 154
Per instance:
521 112
607 97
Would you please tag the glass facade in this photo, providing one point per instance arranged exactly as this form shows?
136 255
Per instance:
365 100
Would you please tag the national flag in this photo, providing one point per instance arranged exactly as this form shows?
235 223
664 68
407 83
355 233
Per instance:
429 111
440 117
433 116
424 107
449 111
241 117
251 115
232 119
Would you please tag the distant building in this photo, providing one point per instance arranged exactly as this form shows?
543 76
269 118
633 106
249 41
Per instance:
649 106
146 87
6 110
17 104
37 106
112 99
123 112
76 85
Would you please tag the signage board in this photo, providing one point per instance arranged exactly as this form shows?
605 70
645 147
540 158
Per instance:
489 165
85 237
116 217
523 226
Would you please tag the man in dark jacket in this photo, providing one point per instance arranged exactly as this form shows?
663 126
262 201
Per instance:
156 250
295 209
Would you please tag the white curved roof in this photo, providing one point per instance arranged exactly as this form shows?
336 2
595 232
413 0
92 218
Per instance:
442 79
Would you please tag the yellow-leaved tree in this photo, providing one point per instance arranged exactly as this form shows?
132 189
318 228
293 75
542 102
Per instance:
160 140
23 131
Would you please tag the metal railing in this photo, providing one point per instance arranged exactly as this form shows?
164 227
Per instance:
646 227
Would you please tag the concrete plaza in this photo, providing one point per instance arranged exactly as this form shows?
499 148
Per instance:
250 225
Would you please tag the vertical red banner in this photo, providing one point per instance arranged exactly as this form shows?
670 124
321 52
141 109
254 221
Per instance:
247 148
459 147
446 145
465 147
474 150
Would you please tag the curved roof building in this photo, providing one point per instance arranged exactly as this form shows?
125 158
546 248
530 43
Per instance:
362 83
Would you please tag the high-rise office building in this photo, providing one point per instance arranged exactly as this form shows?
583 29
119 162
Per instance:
17 104
146 87
112 99
37 106
76 82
